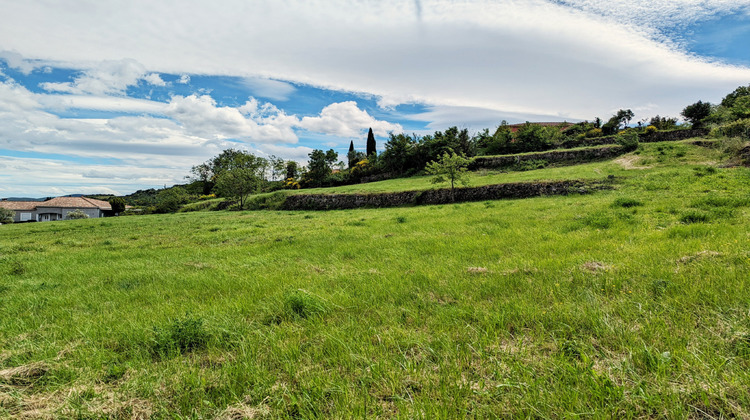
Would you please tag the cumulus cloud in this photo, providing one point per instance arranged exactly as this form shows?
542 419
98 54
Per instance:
184 79
154 79
345 119
201 116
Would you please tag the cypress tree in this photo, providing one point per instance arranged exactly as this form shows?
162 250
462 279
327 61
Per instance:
370 143
352 155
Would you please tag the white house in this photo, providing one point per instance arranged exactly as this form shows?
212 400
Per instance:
56 208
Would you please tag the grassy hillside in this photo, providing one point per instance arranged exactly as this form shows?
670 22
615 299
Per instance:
632 302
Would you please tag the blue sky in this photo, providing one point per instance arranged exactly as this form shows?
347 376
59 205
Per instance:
118 96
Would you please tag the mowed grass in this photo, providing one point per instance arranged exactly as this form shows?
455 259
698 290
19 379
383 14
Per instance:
627 303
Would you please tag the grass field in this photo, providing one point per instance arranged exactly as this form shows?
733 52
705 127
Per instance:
629 303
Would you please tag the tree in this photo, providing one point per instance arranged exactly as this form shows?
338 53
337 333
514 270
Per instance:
6 215
169 200
741 108
292 169
319 166
696 113
351 155
399 155
208 171
371 145
278 167
450 167
621 118
663 123
729 100
118 204
239 183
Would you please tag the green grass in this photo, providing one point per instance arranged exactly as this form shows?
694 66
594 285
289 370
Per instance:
607 305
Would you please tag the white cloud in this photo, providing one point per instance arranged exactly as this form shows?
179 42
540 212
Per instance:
154 79
184 79
660 14
345 119
268 88
16 61
532 57
105 78
50 177
201 116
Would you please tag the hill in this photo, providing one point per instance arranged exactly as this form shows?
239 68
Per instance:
627 302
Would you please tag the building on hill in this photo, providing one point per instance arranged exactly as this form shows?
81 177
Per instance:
56 208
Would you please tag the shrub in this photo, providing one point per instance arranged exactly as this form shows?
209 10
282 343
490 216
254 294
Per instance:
651 129
594 132
531 164
628 140
291 184
739 128
6 216
77 214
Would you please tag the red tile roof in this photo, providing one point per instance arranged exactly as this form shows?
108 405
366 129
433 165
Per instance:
75 202
19 205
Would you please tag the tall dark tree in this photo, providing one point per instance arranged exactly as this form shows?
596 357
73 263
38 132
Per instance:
351 155
696 112
371 146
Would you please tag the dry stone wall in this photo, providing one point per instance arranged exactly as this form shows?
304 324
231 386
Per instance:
438 196
555 156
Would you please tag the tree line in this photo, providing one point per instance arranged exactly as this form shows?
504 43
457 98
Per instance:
237 174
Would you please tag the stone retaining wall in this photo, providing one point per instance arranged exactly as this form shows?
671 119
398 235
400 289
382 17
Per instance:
555 156
674 135
439 196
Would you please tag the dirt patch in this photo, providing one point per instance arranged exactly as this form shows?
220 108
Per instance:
596 267
241 411
699 256
24 375
630 162
477 270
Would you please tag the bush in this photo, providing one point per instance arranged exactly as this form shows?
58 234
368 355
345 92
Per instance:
628 140
77 214
651 129
739 128
594 132
6 215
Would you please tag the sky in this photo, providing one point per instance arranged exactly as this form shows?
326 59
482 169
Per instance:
116 96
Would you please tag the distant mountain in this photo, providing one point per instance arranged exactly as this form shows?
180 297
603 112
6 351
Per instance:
25 199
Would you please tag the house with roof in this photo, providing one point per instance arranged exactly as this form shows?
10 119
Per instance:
56 208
